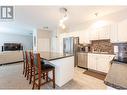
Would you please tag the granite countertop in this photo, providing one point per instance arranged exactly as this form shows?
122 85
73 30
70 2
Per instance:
102 53
53 55
117 76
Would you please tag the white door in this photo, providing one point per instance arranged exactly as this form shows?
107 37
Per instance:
44 45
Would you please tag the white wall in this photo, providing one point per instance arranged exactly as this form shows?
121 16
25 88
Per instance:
26 41
43 40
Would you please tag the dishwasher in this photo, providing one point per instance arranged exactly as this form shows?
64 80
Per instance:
82 59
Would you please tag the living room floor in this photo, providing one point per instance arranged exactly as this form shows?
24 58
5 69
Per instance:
11 77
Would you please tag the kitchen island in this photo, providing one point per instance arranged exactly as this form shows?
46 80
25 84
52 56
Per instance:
64 66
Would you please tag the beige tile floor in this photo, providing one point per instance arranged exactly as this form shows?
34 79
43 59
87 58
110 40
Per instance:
11 77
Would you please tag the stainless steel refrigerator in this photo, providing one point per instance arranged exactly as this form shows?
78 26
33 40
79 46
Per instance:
70 45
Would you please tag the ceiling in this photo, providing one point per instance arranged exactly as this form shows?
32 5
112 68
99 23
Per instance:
27 18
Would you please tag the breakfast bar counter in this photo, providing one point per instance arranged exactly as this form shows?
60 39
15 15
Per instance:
64 66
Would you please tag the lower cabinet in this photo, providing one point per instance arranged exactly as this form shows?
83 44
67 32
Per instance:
99 62
91 61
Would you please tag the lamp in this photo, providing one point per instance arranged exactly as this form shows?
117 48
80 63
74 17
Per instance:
63 11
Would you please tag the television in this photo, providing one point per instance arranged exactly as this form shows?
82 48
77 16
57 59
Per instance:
12 46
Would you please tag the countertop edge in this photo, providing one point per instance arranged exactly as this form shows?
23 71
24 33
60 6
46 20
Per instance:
113 85
58 58
97 53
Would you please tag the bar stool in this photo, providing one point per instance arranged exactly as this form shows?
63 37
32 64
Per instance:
40 70
24 62
29 66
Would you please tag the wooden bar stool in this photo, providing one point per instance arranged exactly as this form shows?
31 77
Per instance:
26 65
24 62
41 70
29 66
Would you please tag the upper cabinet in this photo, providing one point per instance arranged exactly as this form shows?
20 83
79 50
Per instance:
84 36
122 31
100 33
94 34
104 32
114 33
119 32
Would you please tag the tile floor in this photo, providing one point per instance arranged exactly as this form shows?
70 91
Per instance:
11 77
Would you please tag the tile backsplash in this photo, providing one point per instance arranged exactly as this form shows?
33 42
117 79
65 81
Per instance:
102 46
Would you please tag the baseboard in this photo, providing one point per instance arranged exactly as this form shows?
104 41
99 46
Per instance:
10 63
83 67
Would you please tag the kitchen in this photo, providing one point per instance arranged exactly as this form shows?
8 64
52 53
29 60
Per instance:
87 48
97 52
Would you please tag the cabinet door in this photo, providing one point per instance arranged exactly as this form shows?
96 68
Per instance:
103 63
114 33
84 36
122 31
92 61
103 32
94 34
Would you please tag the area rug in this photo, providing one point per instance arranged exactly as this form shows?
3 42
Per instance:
95 74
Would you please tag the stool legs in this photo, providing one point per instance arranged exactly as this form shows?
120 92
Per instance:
30 75
53 78
33 80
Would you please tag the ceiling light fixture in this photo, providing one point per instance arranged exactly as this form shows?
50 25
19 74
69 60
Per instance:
96 14
64 13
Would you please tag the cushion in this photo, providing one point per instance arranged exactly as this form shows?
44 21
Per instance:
46 67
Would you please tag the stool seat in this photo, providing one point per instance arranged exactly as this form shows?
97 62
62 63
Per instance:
47 67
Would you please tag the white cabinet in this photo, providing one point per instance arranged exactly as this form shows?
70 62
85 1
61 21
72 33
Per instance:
84 36
103 32
119 32
92 61
114 33
100 33
99 62
103 62
122 31
94 34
